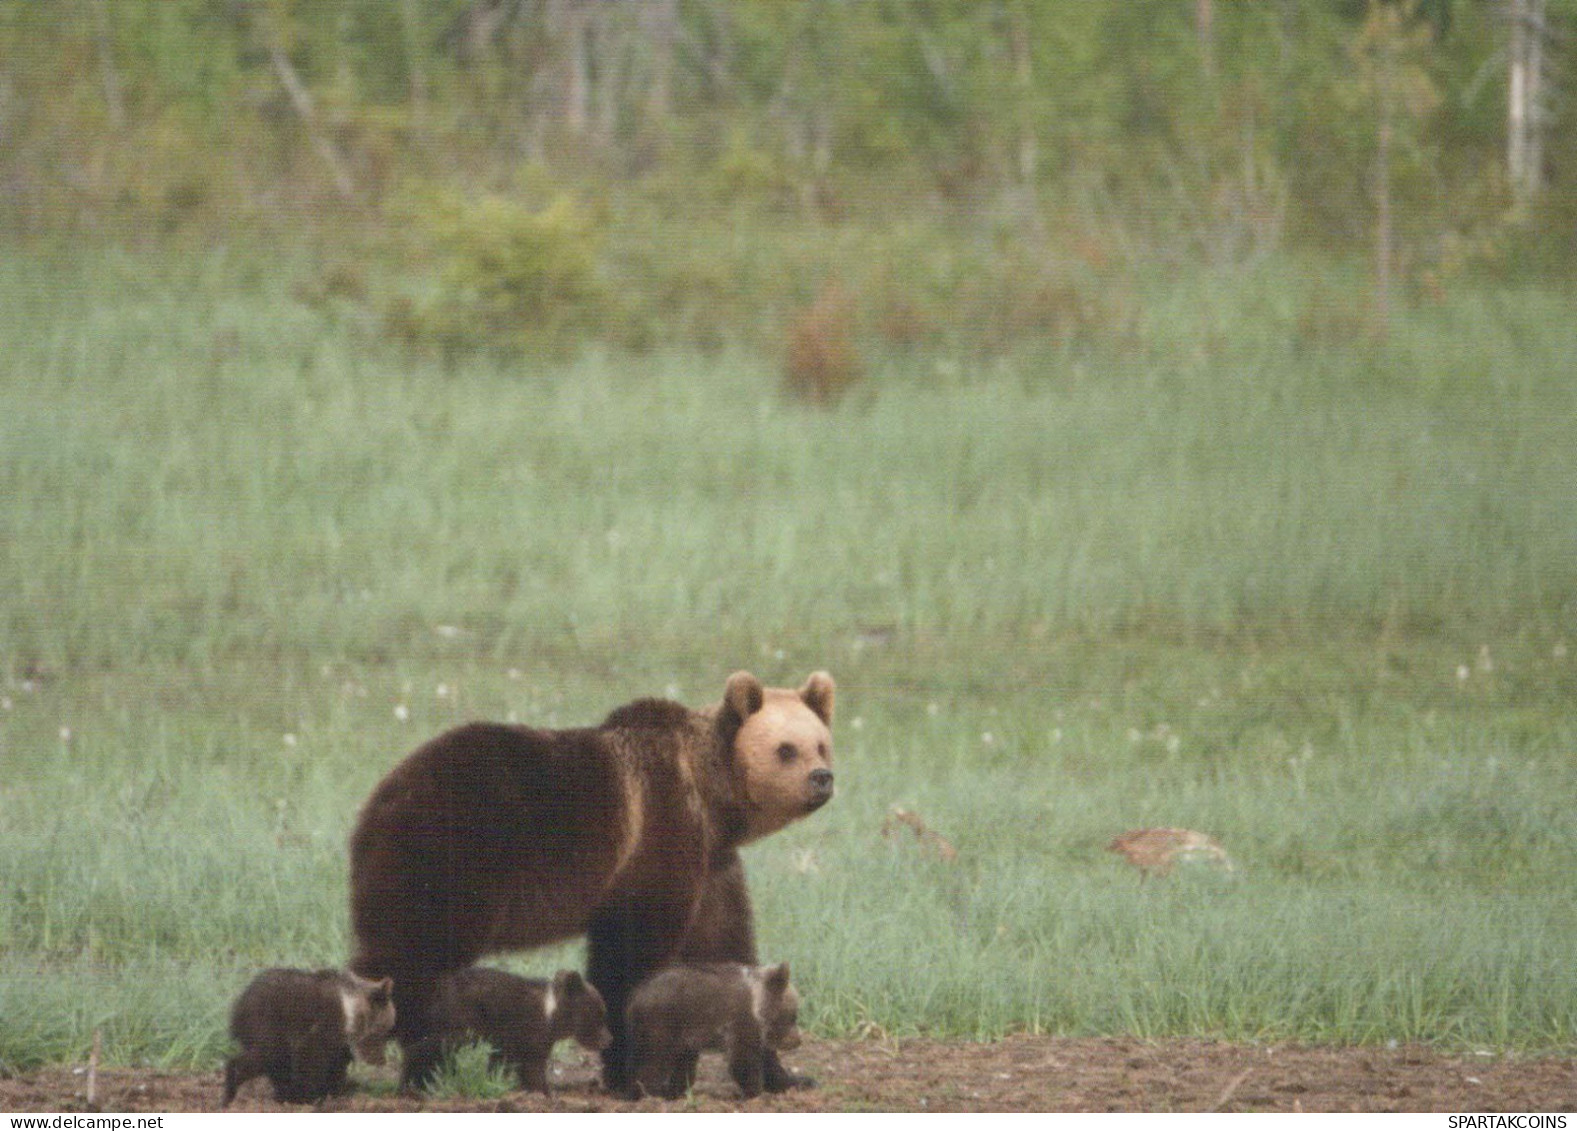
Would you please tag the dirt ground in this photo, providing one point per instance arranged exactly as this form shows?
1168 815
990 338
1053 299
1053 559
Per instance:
1016 1074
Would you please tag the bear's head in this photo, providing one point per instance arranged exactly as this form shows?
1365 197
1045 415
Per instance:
782 749
368 1004
776 1006
575 1009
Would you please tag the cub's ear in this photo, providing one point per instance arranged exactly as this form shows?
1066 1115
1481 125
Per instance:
743 695
568 982
776 979
386 985
818 694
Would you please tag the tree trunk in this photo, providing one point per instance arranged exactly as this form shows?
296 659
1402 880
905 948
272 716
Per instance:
301 99
1385 77
659 28
1205 32
1024 80
568 24
1524 93
608 48
415 55
114 101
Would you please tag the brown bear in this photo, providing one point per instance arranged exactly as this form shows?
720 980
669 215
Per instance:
299 1027
748 1011
522 1018
492 838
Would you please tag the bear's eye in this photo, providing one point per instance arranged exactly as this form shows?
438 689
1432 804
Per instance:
787 752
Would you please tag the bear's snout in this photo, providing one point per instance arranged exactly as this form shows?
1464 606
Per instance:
820 786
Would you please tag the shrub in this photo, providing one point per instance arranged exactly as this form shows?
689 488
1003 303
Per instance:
822 359
509 279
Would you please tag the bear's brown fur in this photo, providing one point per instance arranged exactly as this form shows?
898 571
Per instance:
748 1011
522 1018
299 1027
491 838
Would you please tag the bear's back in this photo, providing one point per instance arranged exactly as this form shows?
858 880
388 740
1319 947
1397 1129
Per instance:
692 1005
477 826
280 1005
490 1001
477 793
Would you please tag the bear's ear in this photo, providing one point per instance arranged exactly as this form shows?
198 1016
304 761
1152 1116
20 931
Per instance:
776 979
743 695
567 982
818 693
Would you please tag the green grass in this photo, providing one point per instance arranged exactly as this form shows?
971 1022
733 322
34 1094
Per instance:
467 1073
1315 600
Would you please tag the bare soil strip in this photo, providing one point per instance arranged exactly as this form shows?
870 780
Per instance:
1018 1073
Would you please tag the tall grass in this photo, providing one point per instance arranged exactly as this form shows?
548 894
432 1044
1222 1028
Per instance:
1313 598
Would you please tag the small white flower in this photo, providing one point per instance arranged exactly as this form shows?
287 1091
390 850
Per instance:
289 739
856 723
402 712
442 691
1559 651
447 631
804 861
930 708
987 737
1463 673
65 734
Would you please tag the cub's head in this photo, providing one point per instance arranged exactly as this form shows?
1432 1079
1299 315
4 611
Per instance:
369 1013
776 1005
782 750
575 1009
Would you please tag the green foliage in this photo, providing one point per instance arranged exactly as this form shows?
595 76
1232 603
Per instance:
467 1073
509 278
1174 138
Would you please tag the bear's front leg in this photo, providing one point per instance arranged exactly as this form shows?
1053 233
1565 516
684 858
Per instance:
746 1055
724 930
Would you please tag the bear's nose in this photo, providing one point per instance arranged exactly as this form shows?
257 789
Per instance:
822 780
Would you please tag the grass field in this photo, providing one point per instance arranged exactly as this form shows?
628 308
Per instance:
1311 596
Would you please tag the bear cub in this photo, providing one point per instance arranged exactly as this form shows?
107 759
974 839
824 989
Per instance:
676 1013
299 1027
522 1018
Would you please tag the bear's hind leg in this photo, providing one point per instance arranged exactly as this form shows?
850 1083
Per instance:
238 1070
419 1061
622 950
684 1073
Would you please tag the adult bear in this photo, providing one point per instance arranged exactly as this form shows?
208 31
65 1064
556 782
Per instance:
493 838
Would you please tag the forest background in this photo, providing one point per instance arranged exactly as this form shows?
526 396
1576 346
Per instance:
696 172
